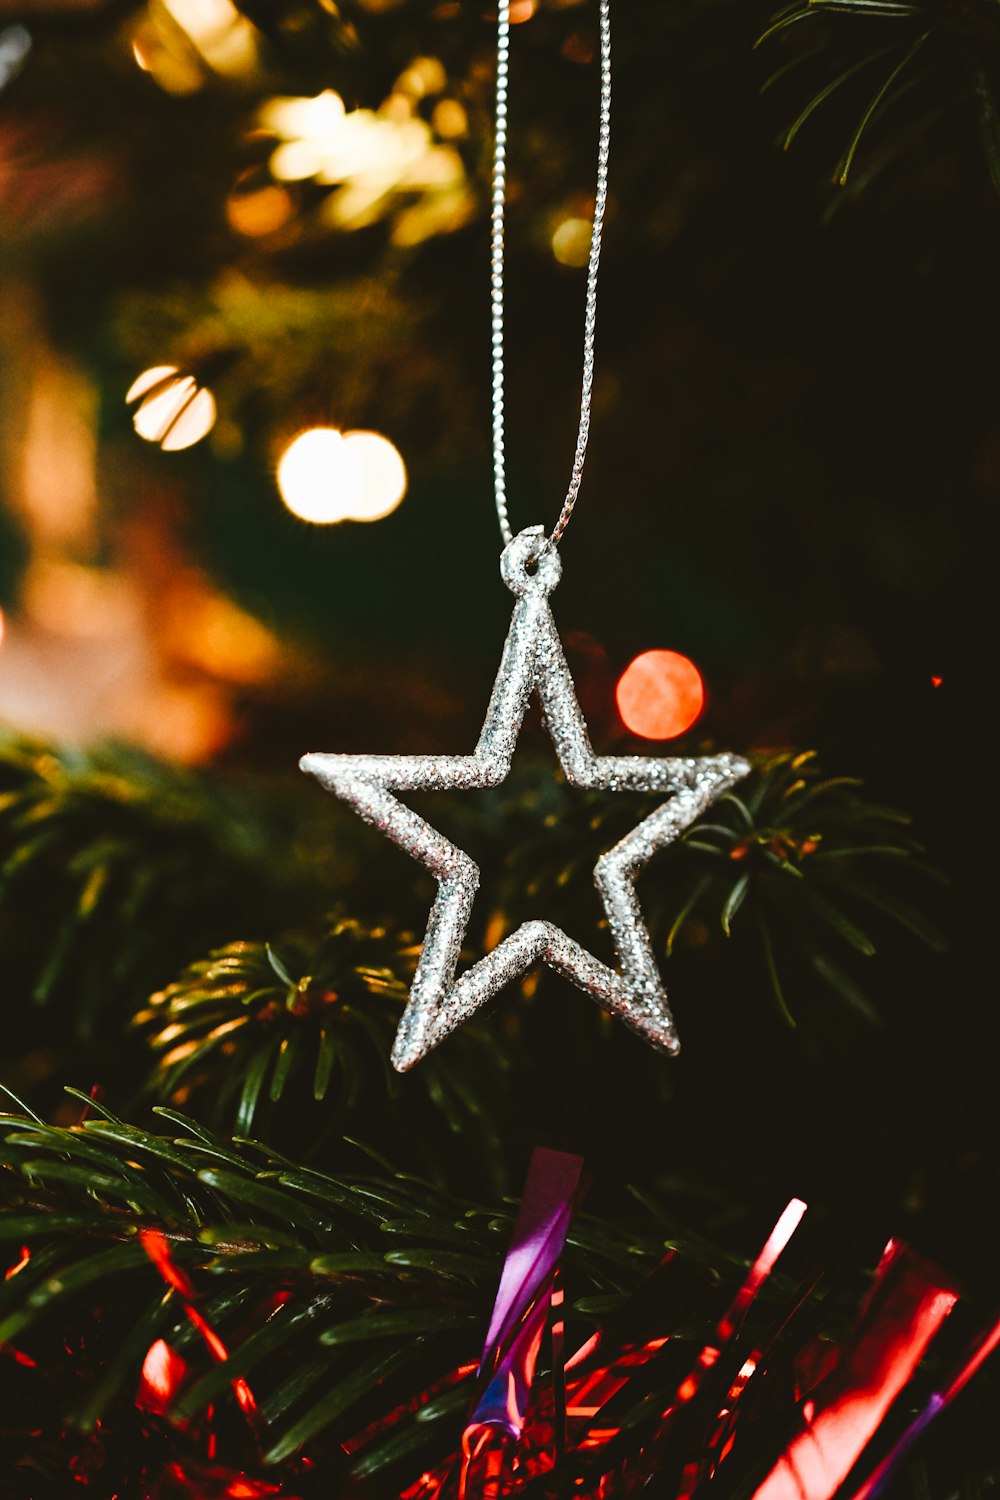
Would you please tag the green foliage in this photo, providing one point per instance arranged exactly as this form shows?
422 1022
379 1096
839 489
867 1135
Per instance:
338 1290
310 1004
114 866
796 868
801 860
334 1295
792 878
255 1034
894 70
336 1298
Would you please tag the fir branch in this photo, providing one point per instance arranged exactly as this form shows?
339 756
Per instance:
112 854
332 1301
794 867
861 52
292 1266
113 867
256 1033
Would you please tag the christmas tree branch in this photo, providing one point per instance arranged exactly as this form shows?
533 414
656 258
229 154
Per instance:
256 1035
829 871
793 877
112 853
872 59
289 1267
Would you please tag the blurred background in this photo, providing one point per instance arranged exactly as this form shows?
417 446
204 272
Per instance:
245 493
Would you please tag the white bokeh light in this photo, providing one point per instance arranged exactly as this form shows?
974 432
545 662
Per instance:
384 475
325 476
144 383
319 477
173 411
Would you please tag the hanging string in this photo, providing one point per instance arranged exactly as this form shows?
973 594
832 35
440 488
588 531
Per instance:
499 198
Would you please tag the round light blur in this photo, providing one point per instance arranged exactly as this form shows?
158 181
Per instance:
326 476
173 411
384 475
660 695
571 242
321 479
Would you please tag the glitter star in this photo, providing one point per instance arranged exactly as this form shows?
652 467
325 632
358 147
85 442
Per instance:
533 661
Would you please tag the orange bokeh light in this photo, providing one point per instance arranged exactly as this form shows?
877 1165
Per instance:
660 695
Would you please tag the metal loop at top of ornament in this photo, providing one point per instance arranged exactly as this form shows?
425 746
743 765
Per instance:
497 274
530 564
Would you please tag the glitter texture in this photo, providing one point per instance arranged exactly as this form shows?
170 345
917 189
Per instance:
532 661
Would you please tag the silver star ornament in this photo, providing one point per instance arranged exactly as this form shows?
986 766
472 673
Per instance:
533 661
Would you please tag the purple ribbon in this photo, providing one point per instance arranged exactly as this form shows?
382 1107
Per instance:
551 1194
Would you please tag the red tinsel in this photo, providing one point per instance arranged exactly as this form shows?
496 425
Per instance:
592 1425
840 1401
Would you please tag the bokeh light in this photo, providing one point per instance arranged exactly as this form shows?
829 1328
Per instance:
258 210
383 475
15 44
326 476
660 695
311 127
450 119
425 75
182 43
223 36
173 410
384 162
319 478
571 242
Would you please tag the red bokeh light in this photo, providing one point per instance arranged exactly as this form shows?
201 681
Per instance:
660 695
